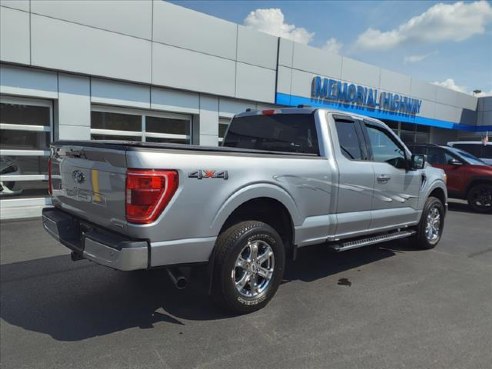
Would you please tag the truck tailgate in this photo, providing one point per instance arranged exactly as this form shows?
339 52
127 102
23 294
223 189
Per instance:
89 182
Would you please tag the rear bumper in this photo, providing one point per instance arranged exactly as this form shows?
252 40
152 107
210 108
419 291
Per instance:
94 243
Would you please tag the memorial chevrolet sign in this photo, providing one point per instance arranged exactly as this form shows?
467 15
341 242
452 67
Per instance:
332 90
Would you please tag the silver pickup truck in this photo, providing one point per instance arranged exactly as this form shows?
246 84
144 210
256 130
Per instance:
282 179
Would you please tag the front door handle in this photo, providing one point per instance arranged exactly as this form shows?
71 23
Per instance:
383 178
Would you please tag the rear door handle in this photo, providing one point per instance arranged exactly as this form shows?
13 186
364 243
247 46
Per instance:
383 178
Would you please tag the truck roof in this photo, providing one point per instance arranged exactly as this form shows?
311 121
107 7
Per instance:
304 110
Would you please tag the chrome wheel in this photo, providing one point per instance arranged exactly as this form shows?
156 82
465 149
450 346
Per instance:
433 225
253 269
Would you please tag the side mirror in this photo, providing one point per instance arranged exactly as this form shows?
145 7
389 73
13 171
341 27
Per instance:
454 161
417 161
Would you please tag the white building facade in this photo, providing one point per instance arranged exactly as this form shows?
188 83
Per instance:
153 71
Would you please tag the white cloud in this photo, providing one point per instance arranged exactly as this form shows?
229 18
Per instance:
441 22
332 46
451 84
272 21
417 58
376 40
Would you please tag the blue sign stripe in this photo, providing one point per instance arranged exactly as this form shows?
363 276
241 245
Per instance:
292 100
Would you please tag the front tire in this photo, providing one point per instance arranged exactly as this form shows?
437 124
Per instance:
430 227
249 266
480 198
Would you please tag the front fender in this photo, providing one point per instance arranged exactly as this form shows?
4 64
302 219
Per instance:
429 188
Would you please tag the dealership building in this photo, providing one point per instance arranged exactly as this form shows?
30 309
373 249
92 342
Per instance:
157 72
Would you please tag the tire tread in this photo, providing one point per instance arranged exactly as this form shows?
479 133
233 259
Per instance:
225 244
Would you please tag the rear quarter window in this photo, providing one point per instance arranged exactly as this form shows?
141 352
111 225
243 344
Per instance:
294 133
471 148
487 152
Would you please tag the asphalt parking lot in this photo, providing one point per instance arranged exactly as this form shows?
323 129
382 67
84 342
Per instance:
386 306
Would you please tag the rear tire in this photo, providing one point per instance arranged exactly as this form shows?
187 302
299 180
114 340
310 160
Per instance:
430 227
249 266
480 198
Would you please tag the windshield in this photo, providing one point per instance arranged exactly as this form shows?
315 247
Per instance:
466 156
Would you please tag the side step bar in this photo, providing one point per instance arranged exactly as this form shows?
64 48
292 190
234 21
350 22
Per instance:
349 245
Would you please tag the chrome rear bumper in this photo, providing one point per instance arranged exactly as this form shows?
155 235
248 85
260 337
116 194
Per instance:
94 243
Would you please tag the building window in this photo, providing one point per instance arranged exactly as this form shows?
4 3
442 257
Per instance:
135 125
410 133
25 135
394 126
414 133
223 125
162 129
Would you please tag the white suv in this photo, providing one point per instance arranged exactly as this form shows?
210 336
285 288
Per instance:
477 148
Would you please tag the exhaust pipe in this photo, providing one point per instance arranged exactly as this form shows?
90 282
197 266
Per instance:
179 280
75 256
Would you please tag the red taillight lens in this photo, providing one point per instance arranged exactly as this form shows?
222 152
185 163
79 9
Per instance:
268 112
147 193
50 182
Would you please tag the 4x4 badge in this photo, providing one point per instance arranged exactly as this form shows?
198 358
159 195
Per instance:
200 174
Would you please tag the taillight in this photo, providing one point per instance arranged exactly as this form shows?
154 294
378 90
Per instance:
148 192
50 182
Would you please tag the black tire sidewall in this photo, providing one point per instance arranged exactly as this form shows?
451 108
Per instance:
471 202
255 231
422 241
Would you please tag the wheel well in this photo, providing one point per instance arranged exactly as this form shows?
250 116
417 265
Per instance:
439 193
476 182
266 210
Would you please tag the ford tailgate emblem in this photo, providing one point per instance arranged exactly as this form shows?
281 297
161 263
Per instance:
78 176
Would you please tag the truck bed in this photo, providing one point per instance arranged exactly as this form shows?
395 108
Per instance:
135 146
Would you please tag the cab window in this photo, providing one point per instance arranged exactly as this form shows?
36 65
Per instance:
278 132
471 148
384 148
487 152
348 139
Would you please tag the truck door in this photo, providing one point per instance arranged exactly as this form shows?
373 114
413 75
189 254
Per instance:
356 178
396 189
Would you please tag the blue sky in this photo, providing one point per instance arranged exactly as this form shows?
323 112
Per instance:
445 42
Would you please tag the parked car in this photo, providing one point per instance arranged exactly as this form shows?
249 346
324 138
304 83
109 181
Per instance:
284 179
476 148
469 178
8 167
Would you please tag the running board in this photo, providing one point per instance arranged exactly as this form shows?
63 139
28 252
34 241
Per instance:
371 240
